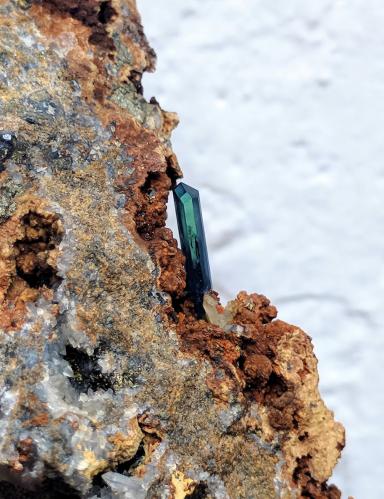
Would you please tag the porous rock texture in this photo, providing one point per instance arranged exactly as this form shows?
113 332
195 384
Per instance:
110 386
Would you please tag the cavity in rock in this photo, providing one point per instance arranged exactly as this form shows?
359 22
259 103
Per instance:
86 370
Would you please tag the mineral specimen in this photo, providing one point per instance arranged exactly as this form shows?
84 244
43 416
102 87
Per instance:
110 386
193 244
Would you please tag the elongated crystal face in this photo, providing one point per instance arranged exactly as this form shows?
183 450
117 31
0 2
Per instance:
193 244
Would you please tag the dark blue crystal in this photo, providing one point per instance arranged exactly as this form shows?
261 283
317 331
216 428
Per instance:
193 243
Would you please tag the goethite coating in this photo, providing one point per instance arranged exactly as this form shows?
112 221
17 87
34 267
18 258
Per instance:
193 244
110 386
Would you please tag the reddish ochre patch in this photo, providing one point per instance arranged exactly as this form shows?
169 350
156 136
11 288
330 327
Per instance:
257 368
29 245
309 486
147 196
26 451
251 370
254 310
164 250
249 358
39 420
150 221
204 339
210 342
152 204
94 14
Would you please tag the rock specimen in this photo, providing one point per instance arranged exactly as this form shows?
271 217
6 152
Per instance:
110 386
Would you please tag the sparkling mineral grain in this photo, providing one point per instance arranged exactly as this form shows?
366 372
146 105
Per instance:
110 386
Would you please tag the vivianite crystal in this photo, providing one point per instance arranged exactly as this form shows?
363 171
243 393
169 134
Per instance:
193 243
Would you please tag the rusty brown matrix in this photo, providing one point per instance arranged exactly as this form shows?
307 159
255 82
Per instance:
109 384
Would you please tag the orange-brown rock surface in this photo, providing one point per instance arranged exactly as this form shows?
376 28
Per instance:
109 384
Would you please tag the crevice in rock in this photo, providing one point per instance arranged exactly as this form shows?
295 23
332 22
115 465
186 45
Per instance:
173 170
135 77
53 487
98 484
303 437
276 386
152 211
150 220
90 13
106 12
311 488
27 451
33 253
142 457
128 467
31 263
199 492
87 372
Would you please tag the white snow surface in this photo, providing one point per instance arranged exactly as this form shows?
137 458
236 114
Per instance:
282 131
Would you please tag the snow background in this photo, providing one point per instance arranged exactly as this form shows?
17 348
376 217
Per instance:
282 119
